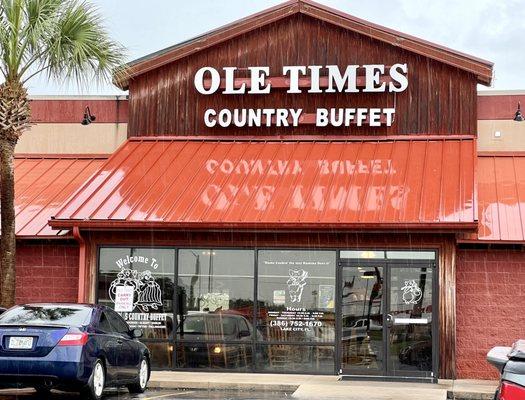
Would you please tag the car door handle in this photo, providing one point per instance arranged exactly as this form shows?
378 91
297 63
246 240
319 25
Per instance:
119 341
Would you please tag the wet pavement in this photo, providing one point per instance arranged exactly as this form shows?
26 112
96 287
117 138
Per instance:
150 395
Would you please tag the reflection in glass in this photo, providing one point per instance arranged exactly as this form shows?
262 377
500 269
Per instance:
363 254
236 357
300 358
161 354
296 295
150 273
215 326
362 318
215 294
410 338
410 255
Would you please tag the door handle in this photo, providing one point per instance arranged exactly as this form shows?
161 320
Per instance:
119 341
390 320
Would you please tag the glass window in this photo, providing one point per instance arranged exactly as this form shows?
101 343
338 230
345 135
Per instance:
363 254
48 315
104 324
296 295
215 292
302 358
138 283
411 255
118 323
362 317
203 355
161 354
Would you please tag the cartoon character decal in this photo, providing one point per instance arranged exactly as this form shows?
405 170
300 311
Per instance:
296 283
148 294
412 294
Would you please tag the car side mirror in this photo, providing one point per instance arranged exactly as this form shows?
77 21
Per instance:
136 333
244 333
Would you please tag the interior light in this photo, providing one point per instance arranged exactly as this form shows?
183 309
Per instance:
368 254
217 350
368 275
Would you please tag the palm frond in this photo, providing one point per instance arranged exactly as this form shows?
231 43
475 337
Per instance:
65 39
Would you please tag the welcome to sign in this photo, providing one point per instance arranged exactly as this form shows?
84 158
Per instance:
373 78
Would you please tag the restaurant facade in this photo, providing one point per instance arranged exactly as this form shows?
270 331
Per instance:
300 192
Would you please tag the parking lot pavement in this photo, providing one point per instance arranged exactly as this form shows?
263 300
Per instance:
149 395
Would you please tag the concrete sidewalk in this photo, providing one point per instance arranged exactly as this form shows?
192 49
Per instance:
305 387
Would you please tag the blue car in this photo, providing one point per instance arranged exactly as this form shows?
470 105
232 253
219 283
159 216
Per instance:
72 347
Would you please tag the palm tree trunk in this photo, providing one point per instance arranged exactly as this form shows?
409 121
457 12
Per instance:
7 241
14 119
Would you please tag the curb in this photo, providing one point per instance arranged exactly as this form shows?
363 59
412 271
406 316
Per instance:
451 395
280 388
224 386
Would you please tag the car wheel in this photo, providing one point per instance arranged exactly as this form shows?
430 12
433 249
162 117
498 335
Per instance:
142 379
96 383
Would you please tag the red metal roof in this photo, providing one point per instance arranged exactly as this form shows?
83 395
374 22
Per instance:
42 184
501 197
383 183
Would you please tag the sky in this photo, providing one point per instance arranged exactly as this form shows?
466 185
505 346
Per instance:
488 29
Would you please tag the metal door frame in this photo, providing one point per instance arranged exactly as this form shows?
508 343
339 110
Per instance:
387 265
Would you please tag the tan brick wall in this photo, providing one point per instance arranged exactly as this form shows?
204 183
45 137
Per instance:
72 138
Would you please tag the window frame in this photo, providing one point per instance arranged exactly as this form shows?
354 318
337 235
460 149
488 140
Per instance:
254 341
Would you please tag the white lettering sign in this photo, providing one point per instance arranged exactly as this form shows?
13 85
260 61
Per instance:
373 78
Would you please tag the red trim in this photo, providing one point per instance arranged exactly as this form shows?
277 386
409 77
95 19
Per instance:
310 138
501 154
48 156
160 225
492 241
499 107
81 265
71 111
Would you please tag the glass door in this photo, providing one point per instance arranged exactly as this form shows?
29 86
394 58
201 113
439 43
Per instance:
387 326
362 322
410 321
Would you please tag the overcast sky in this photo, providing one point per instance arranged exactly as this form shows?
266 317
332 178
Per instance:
489 29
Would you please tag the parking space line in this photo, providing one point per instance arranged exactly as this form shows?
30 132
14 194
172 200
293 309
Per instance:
166 395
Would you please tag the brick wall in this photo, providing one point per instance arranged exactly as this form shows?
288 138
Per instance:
46 272
490 307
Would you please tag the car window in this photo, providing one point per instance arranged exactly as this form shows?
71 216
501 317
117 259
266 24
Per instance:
213 325
119 325
194 324
243 325
104 324
47 315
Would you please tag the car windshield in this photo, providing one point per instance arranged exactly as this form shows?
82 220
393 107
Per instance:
47 315
209 325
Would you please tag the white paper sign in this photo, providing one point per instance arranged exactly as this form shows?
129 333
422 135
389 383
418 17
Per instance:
124 298
279 297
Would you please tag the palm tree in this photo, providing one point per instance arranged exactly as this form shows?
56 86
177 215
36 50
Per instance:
63 39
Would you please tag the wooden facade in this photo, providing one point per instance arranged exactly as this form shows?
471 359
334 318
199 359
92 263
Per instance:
440 99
